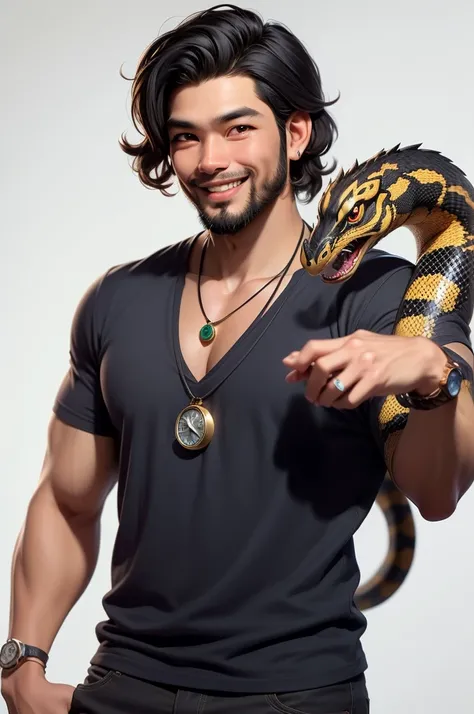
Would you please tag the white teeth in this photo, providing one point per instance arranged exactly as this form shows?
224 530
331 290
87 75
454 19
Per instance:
225 187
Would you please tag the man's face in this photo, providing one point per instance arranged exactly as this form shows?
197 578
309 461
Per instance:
226 151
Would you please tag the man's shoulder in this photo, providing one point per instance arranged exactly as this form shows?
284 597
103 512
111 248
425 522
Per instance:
120 282
169 259
380 265
381 275
374 291
165 263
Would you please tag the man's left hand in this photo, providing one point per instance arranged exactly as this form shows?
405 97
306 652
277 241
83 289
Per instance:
366 365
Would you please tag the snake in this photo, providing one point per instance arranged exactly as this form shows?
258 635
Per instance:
424 191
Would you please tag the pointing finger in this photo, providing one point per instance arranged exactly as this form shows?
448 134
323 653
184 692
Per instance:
312 351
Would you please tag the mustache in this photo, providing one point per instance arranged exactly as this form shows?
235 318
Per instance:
222 177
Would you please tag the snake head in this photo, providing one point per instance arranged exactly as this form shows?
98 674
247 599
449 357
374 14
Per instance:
355 212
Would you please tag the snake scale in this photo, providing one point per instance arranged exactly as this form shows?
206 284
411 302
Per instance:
426 192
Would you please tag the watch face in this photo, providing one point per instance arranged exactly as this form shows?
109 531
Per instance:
9 654
191 427
454 381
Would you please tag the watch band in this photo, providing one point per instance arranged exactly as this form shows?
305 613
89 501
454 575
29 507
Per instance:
465 367
36 652
415 401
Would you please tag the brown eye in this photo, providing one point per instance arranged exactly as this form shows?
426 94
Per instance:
356 213
240 129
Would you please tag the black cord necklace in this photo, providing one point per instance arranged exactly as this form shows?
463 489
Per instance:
207 332
194 426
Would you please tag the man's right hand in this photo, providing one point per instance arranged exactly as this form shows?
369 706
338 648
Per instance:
27 691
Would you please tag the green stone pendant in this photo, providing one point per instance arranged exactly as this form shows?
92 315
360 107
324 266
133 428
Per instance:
207 333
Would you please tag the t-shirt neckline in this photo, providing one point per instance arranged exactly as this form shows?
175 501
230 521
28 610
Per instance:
235 354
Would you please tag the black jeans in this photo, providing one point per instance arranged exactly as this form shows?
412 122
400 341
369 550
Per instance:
108 692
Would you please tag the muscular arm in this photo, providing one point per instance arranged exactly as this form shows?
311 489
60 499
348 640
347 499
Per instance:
57 550
434 460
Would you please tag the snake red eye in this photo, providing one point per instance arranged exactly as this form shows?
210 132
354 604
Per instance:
356 213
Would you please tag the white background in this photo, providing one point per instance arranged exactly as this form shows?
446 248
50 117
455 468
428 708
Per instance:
71 207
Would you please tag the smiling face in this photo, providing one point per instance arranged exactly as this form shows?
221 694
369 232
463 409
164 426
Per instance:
226 151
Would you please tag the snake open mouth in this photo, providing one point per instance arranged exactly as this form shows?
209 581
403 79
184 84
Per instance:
345 262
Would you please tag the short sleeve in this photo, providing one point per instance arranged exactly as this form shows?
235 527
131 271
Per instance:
378 313
80 402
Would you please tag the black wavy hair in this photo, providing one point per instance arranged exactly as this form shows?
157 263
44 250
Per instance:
226 40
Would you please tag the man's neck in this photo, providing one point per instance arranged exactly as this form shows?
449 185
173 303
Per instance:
260 250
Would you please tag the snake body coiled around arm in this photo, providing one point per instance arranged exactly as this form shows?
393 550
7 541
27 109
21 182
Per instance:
426 192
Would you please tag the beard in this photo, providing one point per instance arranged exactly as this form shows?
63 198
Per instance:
228 223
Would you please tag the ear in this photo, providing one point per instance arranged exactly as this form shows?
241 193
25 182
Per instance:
298 134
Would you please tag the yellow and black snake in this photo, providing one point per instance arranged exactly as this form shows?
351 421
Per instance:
423 190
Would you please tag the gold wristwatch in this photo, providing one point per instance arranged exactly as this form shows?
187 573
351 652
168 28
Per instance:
447 390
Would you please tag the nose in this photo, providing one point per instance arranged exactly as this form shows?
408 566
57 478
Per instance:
214 156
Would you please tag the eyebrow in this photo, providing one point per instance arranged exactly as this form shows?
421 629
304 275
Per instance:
176 123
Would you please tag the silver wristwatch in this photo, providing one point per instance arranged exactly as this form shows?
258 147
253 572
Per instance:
14 652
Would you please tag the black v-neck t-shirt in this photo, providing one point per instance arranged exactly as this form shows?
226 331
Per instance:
233 567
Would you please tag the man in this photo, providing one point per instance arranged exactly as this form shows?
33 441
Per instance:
199 382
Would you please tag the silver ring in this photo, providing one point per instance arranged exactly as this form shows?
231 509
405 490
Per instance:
338 384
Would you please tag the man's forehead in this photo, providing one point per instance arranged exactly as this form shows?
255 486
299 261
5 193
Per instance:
213 100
